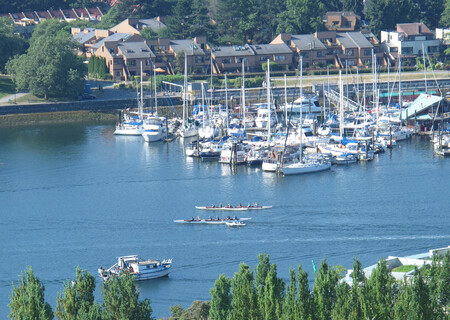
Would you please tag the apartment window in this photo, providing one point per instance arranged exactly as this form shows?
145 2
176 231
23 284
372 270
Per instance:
432 49
351 63
118 73
348 52
319 54
147 62
367 52
199 59
240 60
131 63
407 50
117 62
264 58
226 61
304 54
280 58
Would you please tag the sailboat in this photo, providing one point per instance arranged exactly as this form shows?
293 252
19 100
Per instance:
154 126
187 129
304 165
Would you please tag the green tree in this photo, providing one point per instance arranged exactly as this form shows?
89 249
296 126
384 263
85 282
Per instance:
273 294
78 295
380 293
27 299
302 17
261 271
430 11
356 6
358 287
342 307
324 290
10 43
176 312
148 33
229 15
179 63
244 301
289 310
199 310
445 17
220 299
121 300
50 67
305 302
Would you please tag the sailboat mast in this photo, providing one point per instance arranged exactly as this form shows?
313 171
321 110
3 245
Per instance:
424 68
285 99
226 99
243 94
268 99
156 93
184 90
141 106
341 105
301 108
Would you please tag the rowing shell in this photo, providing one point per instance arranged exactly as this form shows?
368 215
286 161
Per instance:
233 208
204 221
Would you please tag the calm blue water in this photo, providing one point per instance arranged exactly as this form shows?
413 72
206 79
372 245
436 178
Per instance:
76 195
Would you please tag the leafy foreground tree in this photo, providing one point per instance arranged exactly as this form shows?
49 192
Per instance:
10 43
27 299
121 300
51 67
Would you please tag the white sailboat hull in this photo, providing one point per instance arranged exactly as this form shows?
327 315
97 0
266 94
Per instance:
301 168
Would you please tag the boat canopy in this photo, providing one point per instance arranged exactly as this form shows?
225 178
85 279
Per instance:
423 102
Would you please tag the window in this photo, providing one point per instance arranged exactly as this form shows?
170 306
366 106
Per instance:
118 73
280 58
226 61
351 63
367 52
319 54
432 49
304 54
348 52
239 60
407 50
117 62
199 59
264 58
131 63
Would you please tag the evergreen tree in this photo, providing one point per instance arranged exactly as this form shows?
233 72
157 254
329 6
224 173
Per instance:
356 6
244 301
289 310
220 299
27 299
273 293
261 271
77 296
324 290
305 302
380 293
302 17
342 308
121 300
358 287
229 15
430 12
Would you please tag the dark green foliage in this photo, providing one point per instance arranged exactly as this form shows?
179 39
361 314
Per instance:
305 301
302 17
121 300
289 310
199 310
220 299
244 303
148 33
50 68
324 290
78 297
430 12
356 6
10 43
445 16
27 299
97 67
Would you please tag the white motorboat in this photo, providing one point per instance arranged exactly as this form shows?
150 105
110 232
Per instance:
235 224
262 117
154 129
140 269
130 126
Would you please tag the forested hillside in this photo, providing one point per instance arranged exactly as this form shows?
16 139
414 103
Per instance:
251 21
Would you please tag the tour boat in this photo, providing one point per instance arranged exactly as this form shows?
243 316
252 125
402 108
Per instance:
139 268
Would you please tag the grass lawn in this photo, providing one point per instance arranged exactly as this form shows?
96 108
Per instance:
6 86
405 268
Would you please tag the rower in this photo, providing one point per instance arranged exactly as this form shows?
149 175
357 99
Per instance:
220 205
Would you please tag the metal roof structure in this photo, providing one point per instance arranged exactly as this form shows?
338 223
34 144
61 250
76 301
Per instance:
423 102
307 42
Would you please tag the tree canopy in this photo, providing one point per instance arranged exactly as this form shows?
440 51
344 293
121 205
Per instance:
50 67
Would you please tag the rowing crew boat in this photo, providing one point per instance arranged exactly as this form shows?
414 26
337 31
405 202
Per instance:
231 208
210 221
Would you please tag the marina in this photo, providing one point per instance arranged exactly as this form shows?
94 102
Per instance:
80 195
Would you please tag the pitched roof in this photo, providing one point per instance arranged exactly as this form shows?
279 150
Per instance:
353 40
232 51
188 46
271 49
414 29
112 38
153 24
84 36
307 42
135 50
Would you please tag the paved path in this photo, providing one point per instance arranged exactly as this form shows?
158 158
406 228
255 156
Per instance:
12 97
